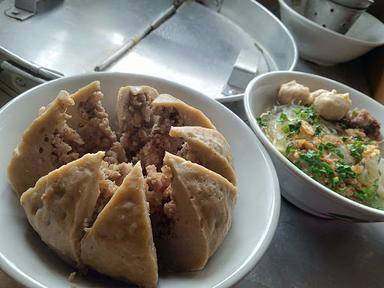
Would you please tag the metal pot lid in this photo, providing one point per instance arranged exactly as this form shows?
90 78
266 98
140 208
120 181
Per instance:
73 36
214 52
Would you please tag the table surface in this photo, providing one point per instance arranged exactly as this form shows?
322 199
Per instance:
307 251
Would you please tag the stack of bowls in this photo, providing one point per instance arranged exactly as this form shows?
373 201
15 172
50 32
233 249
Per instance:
319 44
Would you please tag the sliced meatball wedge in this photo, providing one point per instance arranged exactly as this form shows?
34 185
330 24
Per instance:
68 128
120 243
190 116
45 145
62 202
200 213
206 147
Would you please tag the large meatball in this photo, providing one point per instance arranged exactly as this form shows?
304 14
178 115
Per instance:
331 105
101 213
293 92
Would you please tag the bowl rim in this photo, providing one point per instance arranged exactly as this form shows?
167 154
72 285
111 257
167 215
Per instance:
285 5
266 237
272 149
287 31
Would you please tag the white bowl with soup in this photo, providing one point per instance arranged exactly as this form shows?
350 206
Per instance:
332 179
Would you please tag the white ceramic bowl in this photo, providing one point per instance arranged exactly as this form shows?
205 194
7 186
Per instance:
296 186
30 262
326 47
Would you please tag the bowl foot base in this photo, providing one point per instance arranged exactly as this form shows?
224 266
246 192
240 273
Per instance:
317 62
303 207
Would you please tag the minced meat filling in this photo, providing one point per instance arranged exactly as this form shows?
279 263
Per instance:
107 189
186 153
112 177
170 209
92 124
115 154
159 140
61 141
148 138
137 127
157 183
162 225
116 172
162 209
163 218
145 128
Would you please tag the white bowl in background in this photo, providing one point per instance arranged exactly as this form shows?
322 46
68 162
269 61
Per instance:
27 259
296 186
326 47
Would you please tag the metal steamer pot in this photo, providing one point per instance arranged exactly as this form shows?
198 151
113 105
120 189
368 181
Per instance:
214 46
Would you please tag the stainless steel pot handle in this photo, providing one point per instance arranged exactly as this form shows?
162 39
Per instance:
7 66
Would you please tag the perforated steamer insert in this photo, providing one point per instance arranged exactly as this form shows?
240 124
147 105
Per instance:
336 15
